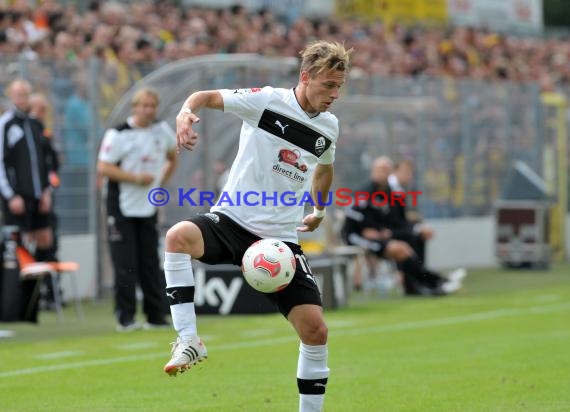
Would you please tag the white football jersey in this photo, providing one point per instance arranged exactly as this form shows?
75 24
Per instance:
279 148
136 150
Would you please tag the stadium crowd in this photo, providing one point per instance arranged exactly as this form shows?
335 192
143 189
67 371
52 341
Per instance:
53 44
145 34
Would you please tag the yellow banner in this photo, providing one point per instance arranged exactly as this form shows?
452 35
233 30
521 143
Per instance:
394 10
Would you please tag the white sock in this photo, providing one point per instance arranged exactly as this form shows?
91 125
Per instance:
178 273
312 375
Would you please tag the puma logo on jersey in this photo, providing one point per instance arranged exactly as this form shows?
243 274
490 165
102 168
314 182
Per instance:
281 126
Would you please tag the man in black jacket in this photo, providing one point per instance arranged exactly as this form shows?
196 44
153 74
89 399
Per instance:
368 223
24 182
416 234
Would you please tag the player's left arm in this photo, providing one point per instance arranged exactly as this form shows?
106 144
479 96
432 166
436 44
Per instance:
322 181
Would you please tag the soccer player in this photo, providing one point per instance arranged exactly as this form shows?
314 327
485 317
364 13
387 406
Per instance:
274 121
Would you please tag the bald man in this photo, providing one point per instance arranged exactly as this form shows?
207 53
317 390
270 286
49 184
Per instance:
24 177
366 226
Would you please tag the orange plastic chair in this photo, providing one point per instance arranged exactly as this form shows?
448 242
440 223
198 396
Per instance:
30 268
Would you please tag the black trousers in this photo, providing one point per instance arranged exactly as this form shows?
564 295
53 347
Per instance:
429 279
134 251
415 242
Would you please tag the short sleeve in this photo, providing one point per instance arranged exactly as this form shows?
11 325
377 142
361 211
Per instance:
247 104
328 156
111 150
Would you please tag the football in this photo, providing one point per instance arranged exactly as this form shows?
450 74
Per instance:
268 265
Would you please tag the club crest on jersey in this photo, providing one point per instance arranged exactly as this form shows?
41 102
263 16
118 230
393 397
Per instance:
320 145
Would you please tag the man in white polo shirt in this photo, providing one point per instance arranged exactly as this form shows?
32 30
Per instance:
136 156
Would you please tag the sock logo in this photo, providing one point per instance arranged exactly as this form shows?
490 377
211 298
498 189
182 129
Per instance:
180 294
312 386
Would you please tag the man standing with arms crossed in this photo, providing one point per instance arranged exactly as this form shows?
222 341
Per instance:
273 120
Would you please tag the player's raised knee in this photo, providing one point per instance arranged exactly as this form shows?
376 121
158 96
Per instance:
184 237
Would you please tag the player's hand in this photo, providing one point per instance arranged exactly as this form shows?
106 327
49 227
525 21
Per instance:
311 223
45 202
17 205
426 232
375 234
145 179
186 137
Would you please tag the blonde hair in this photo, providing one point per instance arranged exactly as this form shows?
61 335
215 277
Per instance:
323 55
145 92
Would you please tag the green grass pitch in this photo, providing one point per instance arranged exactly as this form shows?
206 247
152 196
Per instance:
502 344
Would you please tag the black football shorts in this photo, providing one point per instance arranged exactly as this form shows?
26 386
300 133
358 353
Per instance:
226 242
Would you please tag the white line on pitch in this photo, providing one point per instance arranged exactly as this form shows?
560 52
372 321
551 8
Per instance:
58 355
254 333
547 298
137 345
475 317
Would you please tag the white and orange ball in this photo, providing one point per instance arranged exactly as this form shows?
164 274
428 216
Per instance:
268 265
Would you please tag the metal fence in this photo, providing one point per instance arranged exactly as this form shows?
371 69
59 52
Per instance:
461 134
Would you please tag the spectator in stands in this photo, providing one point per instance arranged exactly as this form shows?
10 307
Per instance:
366 226
456 52
385 50
135 157
24 182
79 122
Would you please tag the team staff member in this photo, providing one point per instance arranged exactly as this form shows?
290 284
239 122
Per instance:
136 156
39 107
367 225
24 183
413 233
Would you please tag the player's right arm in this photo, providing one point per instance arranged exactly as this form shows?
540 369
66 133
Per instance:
247 104
186 137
